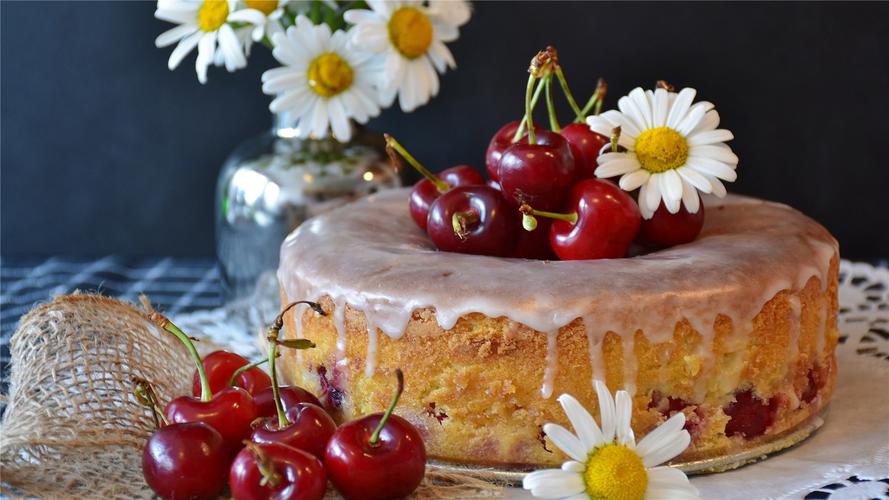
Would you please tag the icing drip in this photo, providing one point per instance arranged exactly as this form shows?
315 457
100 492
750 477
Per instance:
597 359
821 338
795 320
298 311
371 358
552 363
339 322
629 347
370 256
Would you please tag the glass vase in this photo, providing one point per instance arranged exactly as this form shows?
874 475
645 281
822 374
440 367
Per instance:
273 182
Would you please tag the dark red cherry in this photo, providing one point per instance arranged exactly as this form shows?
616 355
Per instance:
425 192
274 470
534 244
501 140
290 397
538 174
473 219
380 456
231 411
749 416
600 221
664 229
585 146
187 460
221 365
309 429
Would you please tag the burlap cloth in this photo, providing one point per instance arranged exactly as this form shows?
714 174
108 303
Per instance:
72 427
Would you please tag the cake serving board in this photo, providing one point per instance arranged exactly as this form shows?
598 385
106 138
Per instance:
514 476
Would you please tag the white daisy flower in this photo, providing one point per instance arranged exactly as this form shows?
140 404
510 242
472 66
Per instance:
203 24
673 149
606 461
271 12
322 84
409 38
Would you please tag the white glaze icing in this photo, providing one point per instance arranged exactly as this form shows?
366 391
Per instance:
370 359
372 257
552 363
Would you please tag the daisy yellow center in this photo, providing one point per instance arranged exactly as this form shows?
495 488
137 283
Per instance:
329 75
410 32
615 472
661 149
264 6
212 15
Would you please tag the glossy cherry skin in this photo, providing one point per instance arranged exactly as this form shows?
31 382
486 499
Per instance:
425 192
538 174
501 140
230 411
310 429
664 229
607 222
585 146
494 232
534 244
187 460
220 365
300 475
290 396
391 469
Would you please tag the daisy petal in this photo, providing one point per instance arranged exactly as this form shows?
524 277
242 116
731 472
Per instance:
716 187
723 154
623 405
251 16
690 198
667 482
694 117
680 107
339 121
173 35
660 107
643 195
553 483
607 417
617 167
653 193
572 466
709 122
672 185
185 46
694 178
584 425
566 441
633 180
632 113
664 442
710 137
206 50
712 167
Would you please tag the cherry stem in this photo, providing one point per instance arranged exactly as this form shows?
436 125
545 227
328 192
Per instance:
146 396
461 221
526 210
550 106
265 465
521 130
375 437
596 99
615 138
529 120
560 75
164 323
391 144
239 371
272 338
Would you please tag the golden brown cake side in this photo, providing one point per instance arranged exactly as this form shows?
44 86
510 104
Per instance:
474 391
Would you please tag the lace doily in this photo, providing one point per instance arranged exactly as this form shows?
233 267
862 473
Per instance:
848 458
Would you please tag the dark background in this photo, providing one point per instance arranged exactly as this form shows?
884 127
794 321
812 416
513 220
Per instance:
104 151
